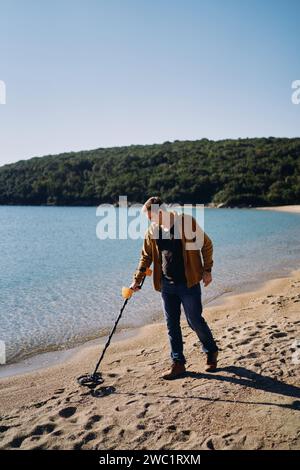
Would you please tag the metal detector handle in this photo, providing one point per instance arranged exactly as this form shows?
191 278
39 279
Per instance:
148 272
127 292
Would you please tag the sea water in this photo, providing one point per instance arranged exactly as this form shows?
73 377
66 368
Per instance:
60 285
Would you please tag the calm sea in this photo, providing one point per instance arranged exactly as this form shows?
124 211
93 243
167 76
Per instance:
60 285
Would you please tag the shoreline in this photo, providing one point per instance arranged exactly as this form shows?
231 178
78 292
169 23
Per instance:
54 357
46 359
293 208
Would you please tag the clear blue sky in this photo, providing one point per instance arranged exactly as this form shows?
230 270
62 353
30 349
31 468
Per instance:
100 73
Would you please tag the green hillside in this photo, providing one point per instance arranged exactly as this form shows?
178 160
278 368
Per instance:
260 171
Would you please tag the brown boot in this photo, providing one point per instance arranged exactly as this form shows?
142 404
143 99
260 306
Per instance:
177 371
212 361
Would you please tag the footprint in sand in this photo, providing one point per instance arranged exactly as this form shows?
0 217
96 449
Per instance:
67 412
172 428
17 441
140 426
184 435
92 420
91 436
46 428
143 437
142 414
107 429
232 440
278 335
3 429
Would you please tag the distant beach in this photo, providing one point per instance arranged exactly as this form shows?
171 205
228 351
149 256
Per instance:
292 208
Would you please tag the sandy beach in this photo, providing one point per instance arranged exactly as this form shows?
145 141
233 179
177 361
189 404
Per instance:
292 208
251 402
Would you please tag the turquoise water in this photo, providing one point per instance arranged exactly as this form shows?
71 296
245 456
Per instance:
61 285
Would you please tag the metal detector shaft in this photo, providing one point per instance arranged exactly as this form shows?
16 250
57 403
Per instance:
113 330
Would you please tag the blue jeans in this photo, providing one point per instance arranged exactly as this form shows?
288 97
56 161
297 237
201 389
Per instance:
173 295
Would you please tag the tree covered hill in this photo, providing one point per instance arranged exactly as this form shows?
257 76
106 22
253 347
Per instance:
241 172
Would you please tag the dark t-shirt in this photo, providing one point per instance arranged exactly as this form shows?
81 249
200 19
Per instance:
171 256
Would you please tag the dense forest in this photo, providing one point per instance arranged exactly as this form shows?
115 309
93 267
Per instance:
241 172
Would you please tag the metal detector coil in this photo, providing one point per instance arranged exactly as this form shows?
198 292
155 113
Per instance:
90 380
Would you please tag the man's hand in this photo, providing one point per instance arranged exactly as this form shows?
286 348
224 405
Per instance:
135 286
207 278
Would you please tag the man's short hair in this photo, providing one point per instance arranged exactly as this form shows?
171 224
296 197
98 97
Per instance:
154 204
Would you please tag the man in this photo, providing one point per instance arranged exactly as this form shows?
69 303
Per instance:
182 256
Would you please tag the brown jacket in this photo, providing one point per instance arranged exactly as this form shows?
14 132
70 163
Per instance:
197 252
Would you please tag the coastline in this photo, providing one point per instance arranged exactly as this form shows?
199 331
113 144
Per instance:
39 359
295 209
55 357
256 379
49 358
